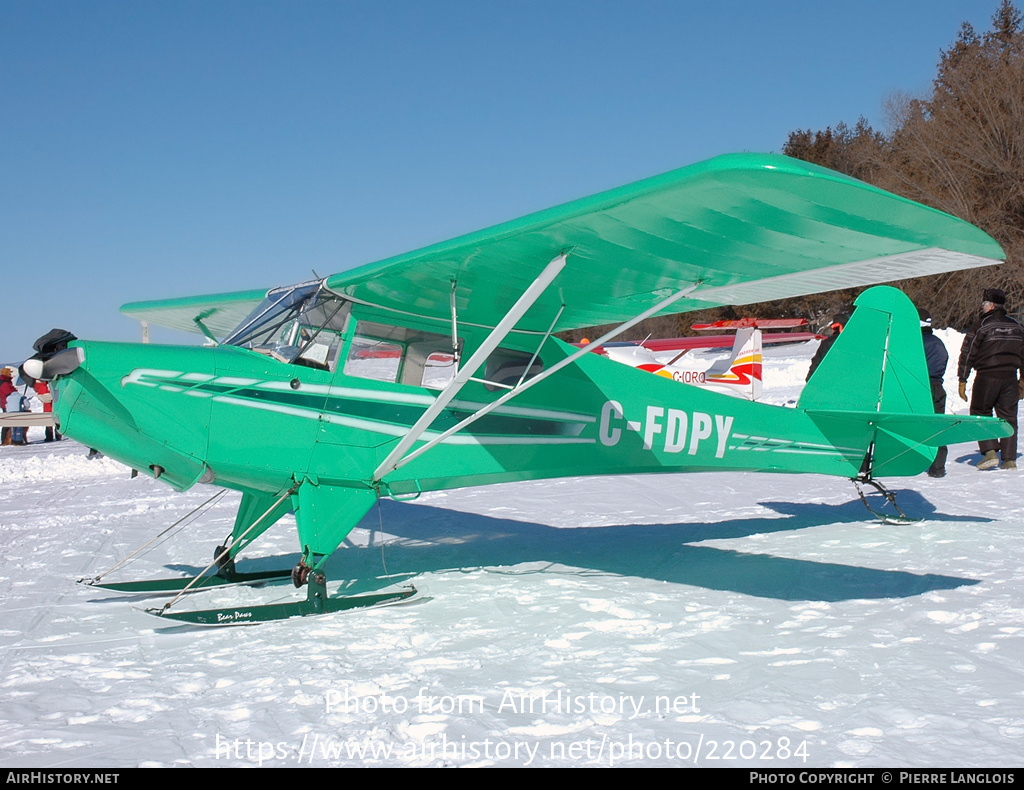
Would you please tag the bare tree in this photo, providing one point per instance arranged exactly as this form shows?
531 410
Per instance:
960 150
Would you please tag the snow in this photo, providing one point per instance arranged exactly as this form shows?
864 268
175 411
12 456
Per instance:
740 620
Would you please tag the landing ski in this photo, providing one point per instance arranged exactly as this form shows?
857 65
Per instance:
317 602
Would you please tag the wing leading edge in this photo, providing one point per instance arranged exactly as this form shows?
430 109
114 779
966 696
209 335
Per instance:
746 227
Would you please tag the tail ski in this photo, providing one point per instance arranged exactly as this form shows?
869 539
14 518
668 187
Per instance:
874 377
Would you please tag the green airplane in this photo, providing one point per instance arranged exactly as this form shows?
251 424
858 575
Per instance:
440 368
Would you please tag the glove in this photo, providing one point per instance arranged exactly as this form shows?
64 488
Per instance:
963 390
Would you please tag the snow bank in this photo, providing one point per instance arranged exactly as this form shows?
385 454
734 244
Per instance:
17 466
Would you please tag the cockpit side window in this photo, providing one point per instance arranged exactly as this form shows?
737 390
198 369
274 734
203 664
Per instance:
401 355
439 369
373 358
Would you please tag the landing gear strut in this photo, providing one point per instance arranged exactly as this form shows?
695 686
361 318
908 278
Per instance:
890 497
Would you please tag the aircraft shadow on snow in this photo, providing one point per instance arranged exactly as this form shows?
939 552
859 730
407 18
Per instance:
433 539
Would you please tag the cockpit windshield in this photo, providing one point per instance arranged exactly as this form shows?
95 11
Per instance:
302 324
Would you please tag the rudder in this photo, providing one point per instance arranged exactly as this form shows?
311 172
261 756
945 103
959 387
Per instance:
876 366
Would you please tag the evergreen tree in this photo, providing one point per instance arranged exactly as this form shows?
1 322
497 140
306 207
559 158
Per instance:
854 152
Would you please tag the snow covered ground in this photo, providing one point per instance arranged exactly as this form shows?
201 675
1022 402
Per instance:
740 620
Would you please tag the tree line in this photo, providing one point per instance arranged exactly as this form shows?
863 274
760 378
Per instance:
960 149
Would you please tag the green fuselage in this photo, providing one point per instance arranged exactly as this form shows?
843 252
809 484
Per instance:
317 429
261 424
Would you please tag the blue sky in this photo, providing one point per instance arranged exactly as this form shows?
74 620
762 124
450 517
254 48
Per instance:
153 150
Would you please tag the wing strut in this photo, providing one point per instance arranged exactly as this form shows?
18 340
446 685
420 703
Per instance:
506 325
394 461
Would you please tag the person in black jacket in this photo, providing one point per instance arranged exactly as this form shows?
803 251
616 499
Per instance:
994 348
936 357
838 324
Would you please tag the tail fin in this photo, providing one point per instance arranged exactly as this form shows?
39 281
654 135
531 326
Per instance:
877 363
871 390
741 370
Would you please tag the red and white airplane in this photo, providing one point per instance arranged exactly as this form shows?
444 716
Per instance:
739 374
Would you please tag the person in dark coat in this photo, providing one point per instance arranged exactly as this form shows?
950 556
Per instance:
936 357
994 348
839 322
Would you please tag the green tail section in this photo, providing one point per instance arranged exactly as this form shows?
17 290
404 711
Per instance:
877 363
875 375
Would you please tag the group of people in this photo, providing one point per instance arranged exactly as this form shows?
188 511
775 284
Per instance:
13 401
994 349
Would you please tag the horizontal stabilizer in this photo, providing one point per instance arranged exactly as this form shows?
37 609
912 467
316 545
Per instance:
924 430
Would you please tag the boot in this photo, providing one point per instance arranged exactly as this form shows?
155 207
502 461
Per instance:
1008 465
990 461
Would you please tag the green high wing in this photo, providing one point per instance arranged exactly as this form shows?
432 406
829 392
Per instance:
741 228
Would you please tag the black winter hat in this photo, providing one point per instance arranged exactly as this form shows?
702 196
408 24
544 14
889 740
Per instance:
994 295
